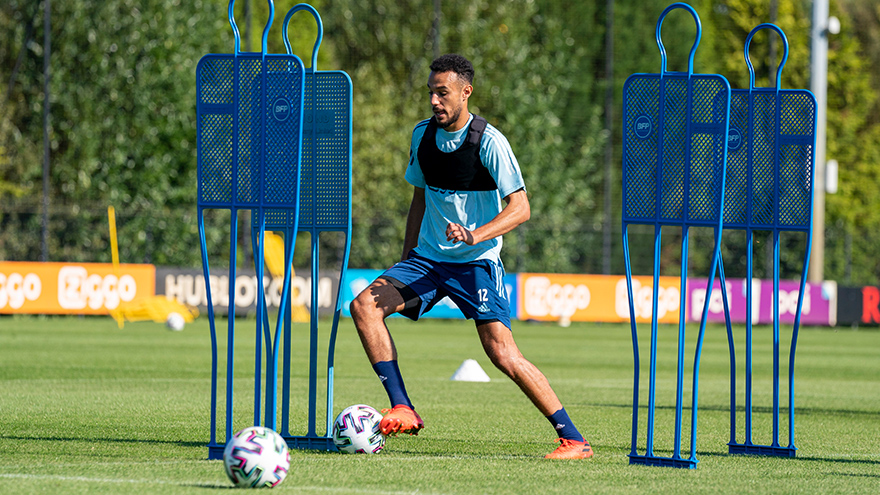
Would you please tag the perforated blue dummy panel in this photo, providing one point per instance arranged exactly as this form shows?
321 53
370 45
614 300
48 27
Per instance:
325 203
769 182
249 111
675 131
325 166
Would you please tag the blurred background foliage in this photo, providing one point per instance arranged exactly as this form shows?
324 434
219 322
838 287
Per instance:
122 127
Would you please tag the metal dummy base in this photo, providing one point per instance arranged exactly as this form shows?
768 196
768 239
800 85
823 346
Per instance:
768 450
650 460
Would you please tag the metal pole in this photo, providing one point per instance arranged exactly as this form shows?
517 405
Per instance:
244 215
247 25
774 8
47 25
609 126
771 82
435 28
819 87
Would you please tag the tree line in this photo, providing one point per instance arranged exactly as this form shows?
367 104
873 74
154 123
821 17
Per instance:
123 116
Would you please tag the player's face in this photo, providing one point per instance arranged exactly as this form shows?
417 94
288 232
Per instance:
449 95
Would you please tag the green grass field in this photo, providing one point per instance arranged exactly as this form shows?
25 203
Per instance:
89 408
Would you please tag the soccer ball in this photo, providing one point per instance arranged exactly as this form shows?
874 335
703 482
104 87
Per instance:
256 457
356 430
175 322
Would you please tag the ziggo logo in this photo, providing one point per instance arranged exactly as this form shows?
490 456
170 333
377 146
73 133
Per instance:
78 289
543 298
668 300
16 288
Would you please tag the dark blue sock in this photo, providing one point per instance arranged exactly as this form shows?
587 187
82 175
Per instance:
564 427
389 373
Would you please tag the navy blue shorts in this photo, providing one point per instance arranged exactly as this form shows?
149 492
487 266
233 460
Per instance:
476 287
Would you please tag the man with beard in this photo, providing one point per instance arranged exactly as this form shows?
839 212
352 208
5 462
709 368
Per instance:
468 192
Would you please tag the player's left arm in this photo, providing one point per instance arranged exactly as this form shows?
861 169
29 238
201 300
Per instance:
515 212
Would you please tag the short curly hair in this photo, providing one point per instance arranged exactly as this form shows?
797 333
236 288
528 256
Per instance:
453 62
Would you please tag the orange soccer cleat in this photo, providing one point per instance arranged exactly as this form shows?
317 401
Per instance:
571 449
401 419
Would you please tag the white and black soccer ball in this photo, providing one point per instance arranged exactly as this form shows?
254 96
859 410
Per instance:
256 457
175 322
356 430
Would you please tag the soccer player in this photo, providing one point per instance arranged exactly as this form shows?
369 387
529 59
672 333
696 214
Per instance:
468 192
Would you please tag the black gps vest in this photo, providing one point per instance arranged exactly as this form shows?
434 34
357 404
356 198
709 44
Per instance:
459 170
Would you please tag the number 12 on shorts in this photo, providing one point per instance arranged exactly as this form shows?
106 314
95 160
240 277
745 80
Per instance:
482 295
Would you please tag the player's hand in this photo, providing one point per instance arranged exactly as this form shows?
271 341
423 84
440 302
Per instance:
456 233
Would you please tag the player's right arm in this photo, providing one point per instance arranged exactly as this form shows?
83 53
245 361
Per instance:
414 221
415 177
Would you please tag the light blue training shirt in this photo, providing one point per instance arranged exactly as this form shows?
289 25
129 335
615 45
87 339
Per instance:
471 209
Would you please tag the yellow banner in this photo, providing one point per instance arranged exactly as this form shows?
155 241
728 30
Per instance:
553 297
72 288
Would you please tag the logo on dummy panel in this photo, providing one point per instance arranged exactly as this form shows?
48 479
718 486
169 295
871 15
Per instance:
281 109
734 139
643 126
321 121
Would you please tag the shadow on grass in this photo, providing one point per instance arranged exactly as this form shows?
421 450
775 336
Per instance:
841 461
722 455
852 475
106 440
208 486
463 455
428 449
755 409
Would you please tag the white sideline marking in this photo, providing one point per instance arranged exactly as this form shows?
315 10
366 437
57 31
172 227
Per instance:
207 485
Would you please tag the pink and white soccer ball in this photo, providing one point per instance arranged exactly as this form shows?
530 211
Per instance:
256 457
356 430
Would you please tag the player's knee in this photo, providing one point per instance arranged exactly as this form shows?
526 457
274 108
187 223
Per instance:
362 309
504 359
